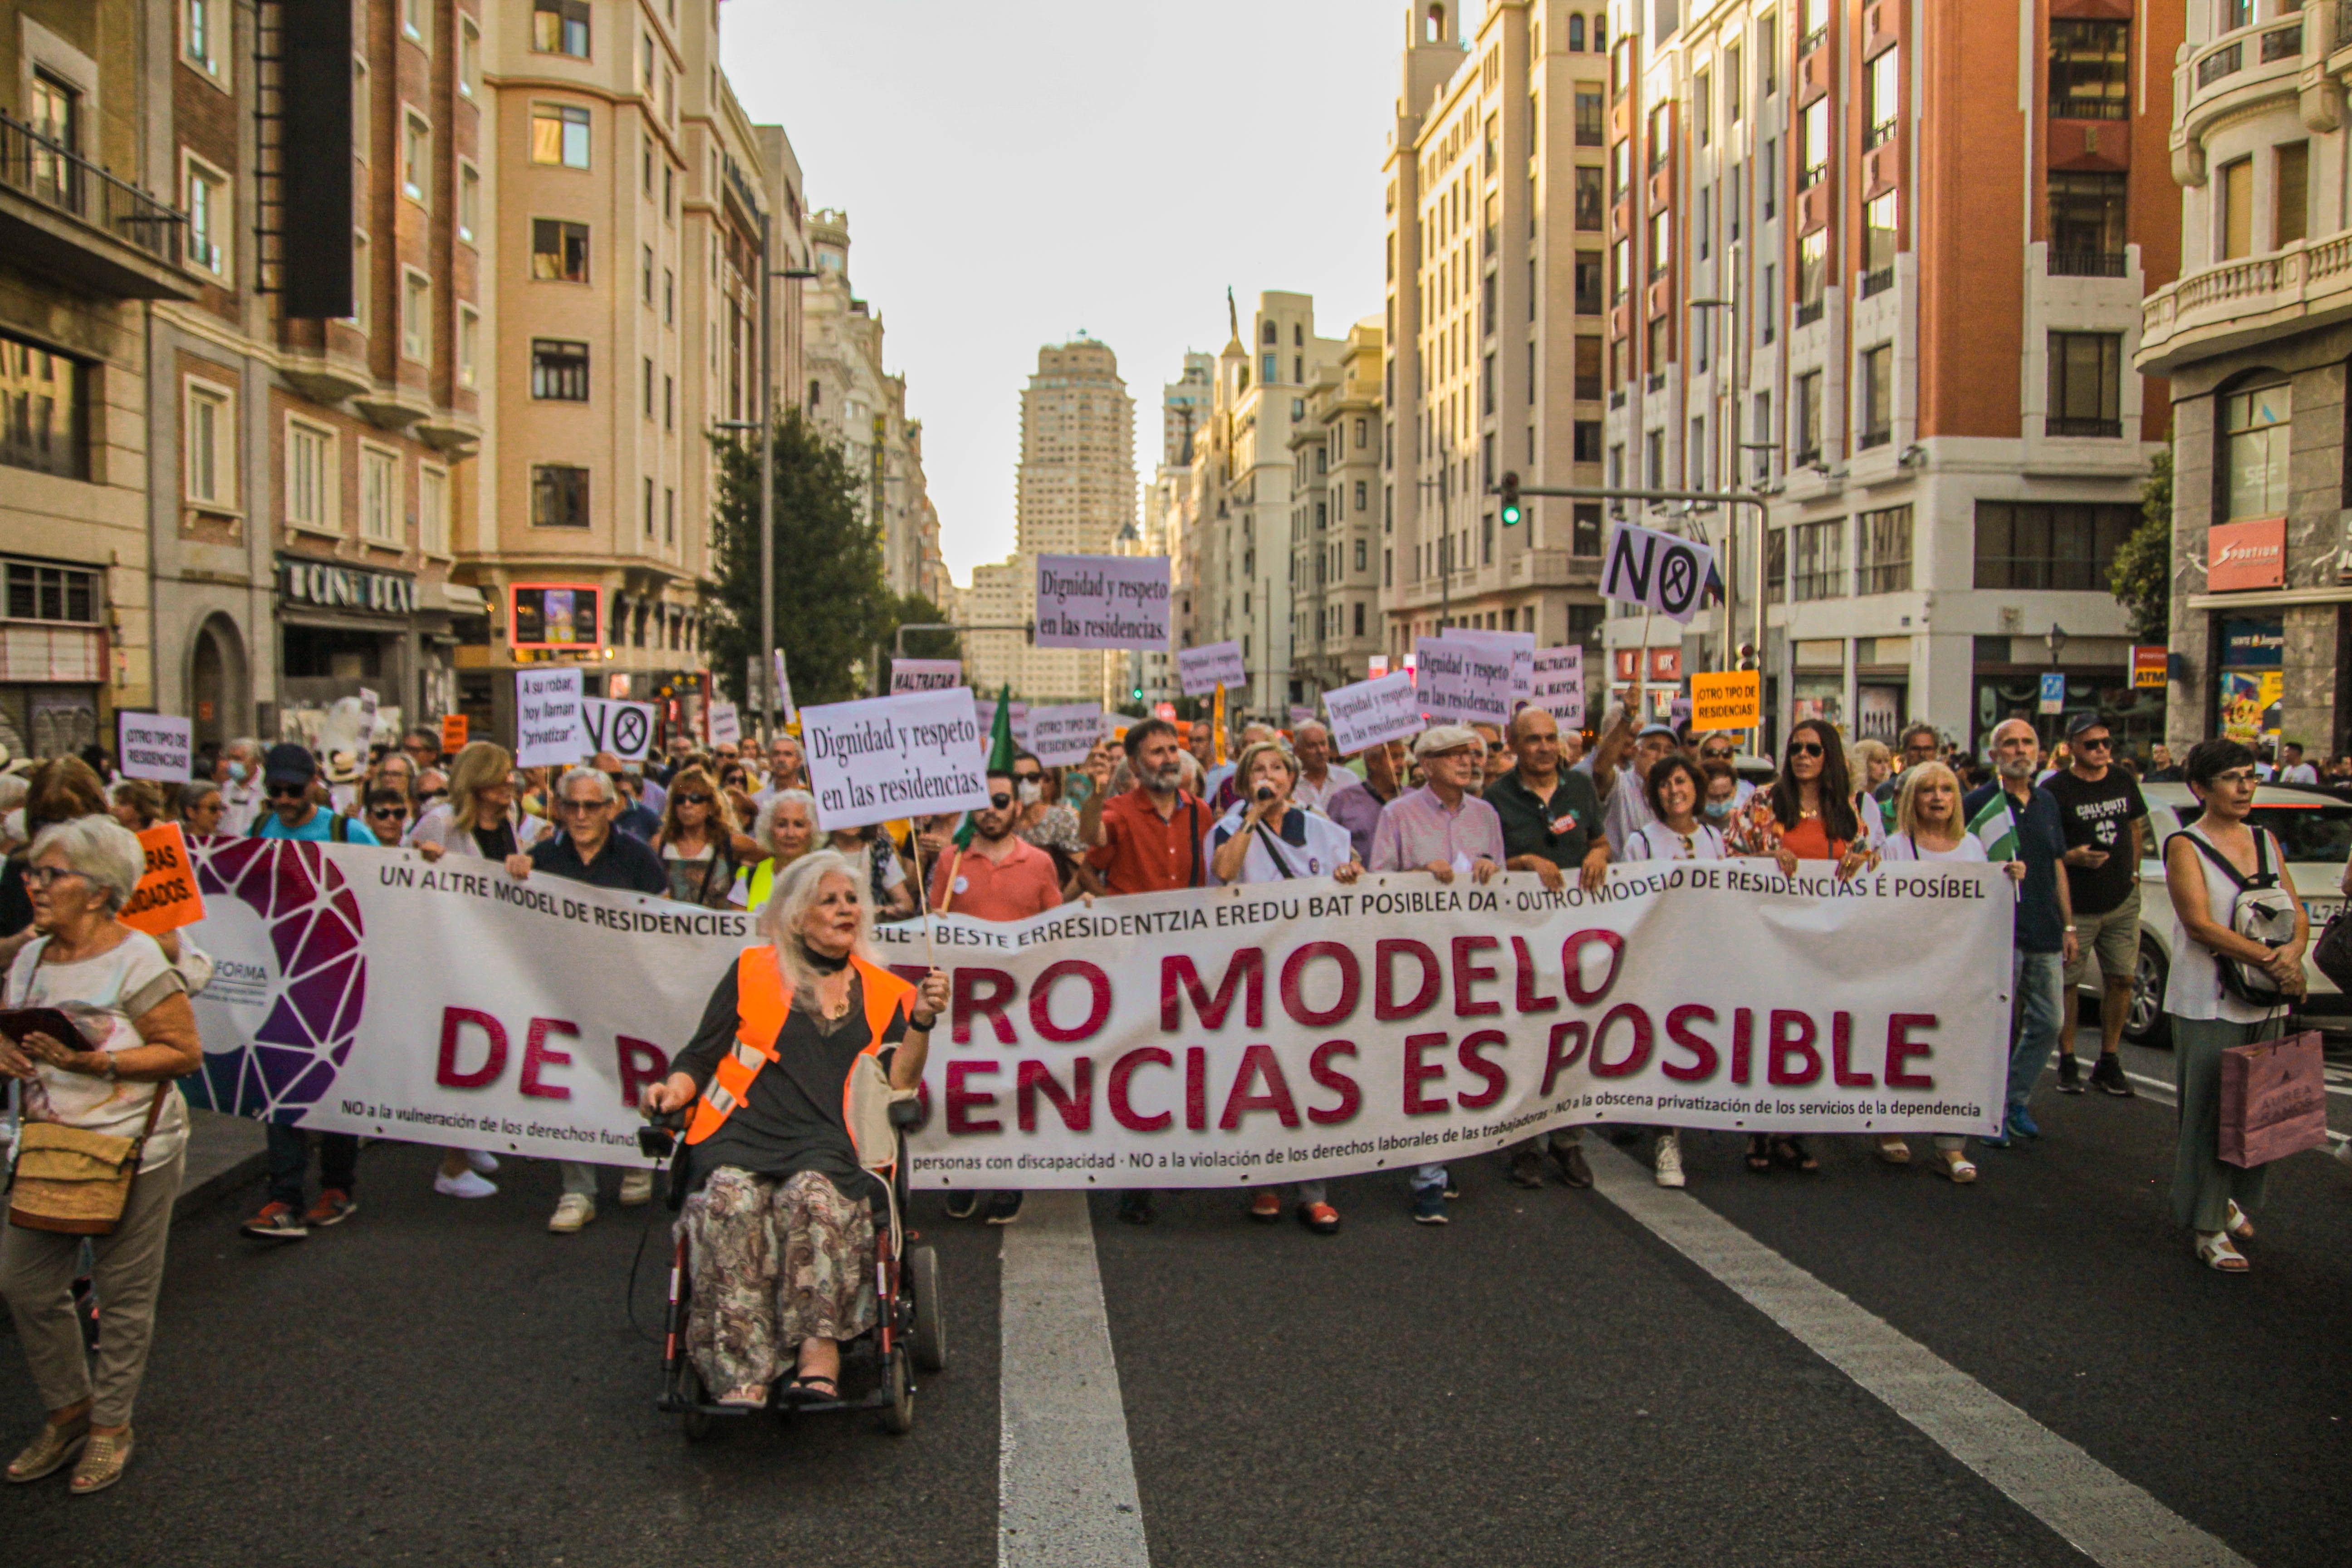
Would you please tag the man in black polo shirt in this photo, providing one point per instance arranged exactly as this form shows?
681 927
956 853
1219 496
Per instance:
2105 822
1551 822
588 851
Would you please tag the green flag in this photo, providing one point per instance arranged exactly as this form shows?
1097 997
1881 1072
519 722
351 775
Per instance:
1000 758
1996 827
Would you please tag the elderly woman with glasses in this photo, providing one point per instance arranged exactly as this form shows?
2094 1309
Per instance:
786 830
806 1040
133 1033
696 841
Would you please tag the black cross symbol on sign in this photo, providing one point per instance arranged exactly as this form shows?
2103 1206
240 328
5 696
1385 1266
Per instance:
629 731
1678 580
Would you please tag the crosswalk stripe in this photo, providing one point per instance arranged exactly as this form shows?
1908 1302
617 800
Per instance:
2101 1514
1065 1478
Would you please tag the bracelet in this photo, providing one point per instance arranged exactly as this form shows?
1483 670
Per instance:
921 1025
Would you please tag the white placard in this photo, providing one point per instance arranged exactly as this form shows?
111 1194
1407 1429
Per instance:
925 674
1103 601
1063 736
984 708
1559 684
1662 571
623 729
1520 646
785 691
1197 669
369 703
154 746
887 757
549 729
726 724
1384 708
1463 682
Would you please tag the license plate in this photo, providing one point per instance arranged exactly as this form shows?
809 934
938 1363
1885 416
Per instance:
2321 911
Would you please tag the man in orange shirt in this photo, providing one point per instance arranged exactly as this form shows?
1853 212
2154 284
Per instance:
1149 840
1002 877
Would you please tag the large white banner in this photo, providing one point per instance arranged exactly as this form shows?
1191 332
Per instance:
1202 1037
1103 601
1199 669
887 757
1382 709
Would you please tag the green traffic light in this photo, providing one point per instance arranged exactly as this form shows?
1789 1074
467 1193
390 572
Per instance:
1511 516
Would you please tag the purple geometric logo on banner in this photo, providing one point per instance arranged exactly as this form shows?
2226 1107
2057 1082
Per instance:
313 922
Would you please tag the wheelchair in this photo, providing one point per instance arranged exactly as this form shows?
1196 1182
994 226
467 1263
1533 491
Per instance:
908 1334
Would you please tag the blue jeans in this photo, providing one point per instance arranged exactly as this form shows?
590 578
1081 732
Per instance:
290 1157
2036 980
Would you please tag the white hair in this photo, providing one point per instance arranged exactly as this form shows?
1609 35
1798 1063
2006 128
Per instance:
14 788
603 781
766 822
795 894
100 849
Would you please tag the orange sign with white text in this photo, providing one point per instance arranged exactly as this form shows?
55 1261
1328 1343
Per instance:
167 897
2250 554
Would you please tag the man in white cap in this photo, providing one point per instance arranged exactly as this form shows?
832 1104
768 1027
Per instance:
1625 806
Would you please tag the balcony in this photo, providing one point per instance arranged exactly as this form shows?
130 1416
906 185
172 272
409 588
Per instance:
63 216
2283 44
1807 314
2086 264
2104 430
2227 61
2235 74
1657 380
1877 282
2246 301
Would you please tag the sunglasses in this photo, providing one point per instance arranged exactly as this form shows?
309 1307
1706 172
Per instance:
1717 754
288 791
1000 800
690 798
1027 778
1805 748
382 812
443 794
2093 742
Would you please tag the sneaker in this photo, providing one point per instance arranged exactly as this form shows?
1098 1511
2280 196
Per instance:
1429 1205
2109 1076
335 1206
636 1187
482 1160
2070 1075
1670 1161
2021 1125
1136 1208
464 1185
1266 1206
962 1204
571 1210
1320 1218
1004 1208
275 1222
1527 1169
1572 1168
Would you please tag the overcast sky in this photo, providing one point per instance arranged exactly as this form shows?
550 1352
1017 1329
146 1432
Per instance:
1015 173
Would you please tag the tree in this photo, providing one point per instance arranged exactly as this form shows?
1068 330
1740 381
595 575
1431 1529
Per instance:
915 610
2141 575
831 604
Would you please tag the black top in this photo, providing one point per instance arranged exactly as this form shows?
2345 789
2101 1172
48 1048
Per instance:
16 902
2040 842
1560 829
495 843
2100 814
625 863
792 1119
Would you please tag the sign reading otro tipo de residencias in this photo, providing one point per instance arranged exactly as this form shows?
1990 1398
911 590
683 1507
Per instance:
916 755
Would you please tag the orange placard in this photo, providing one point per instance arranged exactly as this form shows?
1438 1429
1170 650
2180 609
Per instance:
1732 700
453 733
167 897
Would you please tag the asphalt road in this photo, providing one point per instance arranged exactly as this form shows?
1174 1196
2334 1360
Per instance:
1545 1379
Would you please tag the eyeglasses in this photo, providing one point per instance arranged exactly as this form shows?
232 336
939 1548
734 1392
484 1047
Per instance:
288 791
1805 748
2093 742
47 876
1027 778
582 804
692 798
2237 776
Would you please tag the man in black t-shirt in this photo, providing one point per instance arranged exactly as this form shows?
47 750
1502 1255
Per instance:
2105 823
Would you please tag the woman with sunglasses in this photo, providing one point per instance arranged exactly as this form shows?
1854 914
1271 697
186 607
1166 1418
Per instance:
696 841
1807 813
1048 821
203 808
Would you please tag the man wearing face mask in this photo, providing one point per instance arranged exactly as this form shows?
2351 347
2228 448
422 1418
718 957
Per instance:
239 777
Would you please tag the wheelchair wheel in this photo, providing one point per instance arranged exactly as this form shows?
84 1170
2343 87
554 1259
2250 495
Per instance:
694 1423
929 1338
898 1416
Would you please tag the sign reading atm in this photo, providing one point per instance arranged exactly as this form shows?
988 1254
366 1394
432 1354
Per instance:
555 615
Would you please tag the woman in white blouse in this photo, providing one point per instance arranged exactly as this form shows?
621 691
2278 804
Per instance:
1677 791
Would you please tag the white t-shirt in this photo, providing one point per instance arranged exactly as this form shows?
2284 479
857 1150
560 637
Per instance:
1903 846
245 802
102 996
2300 774
1328 846
1656 841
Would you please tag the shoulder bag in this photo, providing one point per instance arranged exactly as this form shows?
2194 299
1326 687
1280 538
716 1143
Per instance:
73 1182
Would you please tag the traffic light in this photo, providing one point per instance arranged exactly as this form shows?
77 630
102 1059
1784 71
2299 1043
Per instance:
1511 513
1138 694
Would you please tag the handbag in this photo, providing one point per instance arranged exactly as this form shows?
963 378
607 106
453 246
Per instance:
73 1181
2273 1099
2332 953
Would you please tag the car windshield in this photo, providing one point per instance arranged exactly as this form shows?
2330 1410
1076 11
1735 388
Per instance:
2307 833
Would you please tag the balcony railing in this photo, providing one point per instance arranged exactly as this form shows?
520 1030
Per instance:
1877 282
2282 42
2086 264
1812 41
1808 314
1878 437
61 179
2108 430
2086 108
1617 398
1657 380
2221 63
2343 26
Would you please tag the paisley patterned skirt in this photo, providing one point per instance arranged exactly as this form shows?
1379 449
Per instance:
775 1262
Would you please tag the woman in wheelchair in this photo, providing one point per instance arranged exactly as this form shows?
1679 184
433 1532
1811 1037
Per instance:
790 1075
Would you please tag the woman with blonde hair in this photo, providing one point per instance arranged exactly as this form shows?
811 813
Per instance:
696 841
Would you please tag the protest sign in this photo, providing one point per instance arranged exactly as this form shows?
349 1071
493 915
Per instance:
925 674
785 692
1463 682
1376 667
1519 646
1731 700
547 728
1063 736
1228 1036
166 897
1103 601
984 710
725 726
885 757
154 745
1371 711
1200 670
1661 572
623 729
453 733
1559 690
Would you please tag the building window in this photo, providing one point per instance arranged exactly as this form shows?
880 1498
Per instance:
1820 561
1878 237
559 251
669 516
1881 91
1877 395
2086 224
1776 565
1885 542
2062 545
1584 529
559 370
211 445
1588 200
206 35
1662 239
1813 144
469 58
560 28
417 317
379 495
1622 273
51 594
1808 433
2254 435
559 496
44 410
469 343
57 114
1588 285
2237 208
1585 438
363 280
1590 118
415 156
2086 384
2090 76
2290 194
1770 184
1653 464
470 202
669 403
1812 274
559 134
649 506
211 217
312 496
432 509
363 112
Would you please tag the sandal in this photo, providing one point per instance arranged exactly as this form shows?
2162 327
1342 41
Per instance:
1791 1153
1759 1157
2213 1247
1894 1150
805 1390
1957 1166
2239 1224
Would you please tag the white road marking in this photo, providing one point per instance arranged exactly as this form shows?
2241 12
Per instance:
2098 1512
1065 1478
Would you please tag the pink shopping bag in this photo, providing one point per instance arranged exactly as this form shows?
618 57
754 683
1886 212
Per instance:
2273 1099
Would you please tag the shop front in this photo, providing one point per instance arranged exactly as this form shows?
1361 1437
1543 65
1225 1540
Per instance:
2095 676
53 658
345 630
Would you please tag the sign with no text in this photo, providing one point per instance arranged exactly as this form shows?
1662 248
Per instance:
1733 700
167 897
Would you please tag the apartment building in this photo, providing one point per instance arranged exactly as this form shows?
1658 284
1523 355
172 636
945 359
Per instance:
1885 264
1335 532
1493 322
90 232
1185 405
2254 338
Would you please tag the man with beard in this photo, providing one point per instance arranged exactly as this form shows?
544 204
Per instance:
2018 822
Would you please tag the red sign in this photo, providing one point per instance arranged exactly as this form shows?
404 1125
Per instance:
1665 664
2148 666
2250 554
1629 663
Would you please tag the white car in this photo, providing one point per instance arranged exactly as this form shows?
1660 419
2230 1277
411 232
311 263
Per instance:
2316 832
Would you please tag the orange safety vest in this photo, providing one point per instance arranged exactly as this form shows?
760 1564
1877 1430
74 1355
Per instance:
763 1000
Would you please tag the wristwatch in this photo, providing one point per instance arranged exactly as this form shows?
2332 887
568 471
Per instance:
106 1071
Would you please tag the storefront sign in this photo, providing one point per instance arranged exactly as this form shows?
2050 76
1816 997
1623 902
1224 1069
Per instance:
2250 554
554 614
2148 665
348 588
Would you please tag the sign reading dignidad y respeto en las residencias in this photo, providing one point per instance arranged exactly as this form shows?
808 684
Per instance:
1196 1037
